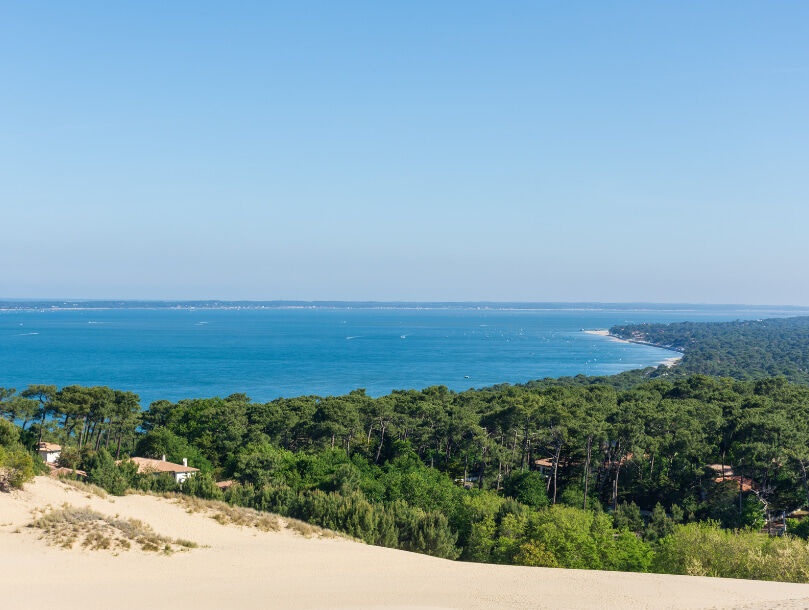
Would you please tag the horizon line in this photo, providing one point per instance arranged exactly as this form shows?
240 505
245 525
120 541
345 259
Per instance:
20 301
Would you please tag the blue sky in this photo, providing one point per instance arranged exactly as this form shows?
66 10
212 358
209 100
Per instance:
421 151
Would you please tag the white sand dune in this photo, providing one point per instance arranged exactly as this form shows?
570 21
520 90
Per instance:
245 568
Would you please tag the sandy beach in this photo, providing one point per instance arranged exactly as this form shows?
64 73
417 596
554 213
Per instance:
671 361
242 567
605 333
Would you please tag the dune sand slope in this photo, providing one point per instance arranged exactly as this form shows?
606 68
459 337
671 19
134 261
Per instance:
245 568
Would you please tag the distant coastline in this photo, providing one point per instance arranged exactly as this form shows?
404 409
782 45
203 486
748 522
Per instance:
666 362
103 304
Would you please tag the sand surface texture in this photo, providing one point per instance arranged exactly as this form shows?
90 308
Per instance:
242 567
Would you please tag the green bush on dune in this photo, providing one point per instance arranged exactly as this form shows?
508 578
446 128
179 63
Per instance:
16 464
704 549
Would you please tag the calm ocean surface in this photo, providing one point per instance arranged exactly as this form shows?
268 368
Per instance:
268 353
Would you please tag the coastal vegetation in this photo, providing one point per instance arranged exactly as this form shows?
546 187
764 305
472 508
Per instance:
17 465
560 475
676 473
744 349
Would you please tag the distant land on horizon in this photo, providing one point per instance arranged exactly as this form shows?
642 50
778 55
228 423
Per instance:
34 304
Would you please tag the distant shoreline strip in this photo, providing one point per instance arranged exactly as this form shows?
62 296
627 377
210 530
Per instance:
666 361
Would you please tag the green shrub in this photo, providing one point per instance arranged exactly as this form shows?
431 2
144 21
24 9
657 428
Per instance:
530 488
510 537
16 467
799 529
481 540
202 485
574 496
660 524
628 517
240 495
753 514
9 433
585 539
104 472
475 507
628 553
533 553
70 457
433 536
393 524
704 549
159 482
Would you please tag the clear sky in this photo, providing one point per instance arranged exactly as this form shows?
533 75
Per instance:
465 150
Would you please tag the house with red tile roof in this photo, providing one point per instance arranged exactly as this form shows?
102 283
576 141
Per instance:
180 471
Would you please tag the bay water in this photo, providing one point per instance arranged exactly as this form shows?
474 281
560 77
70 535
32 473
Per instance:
272 352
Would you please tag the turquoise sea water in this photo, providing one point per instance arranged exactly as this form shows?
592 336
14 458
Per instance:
266 353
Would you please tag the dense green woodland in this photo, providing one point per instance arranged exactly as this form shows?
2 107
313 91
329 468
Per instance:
621 473
390 470
750 349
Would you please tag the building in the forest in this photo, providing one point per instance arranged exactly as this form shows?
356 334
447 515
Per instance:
180 471
49 452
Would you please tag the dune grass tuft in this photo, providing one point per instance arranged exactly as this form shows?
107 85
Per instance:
224 513
227 514
89 488
69 525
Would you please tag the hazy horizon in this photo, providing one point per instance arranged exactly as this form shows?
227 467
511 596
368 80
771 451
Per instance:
494 301
337 303
452 152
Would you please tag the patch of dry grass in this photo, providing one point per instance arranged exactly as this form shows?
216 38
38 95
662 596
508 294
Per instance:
226 514
307 530
89 488
70 525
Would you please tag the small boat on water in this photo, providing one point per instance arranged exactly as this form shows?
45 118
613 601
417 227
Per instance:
467 377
